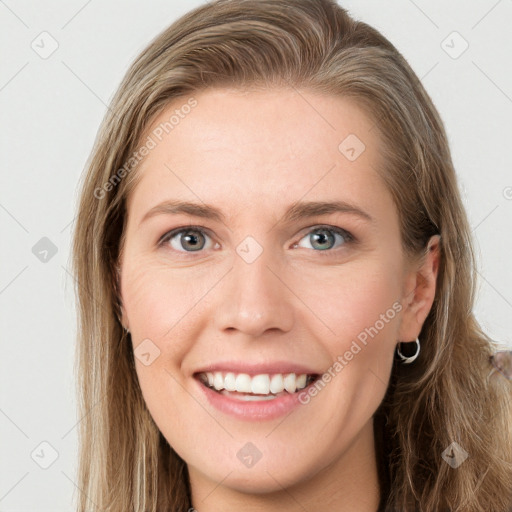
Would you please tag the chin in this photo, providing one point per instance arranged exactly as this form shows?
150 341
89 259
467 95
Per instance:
263 478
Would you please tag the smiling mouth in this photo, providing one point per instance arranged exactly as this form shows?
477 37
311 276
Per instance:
258 387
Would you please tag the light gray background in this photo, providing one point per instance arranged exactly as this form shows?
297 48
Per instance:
50 111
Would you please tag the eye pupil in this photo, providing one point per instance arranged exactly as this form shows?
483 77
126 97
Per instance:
187 238
322 236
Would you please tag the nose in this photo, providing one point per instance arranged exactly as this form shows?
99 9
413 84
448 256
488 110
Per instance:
254 298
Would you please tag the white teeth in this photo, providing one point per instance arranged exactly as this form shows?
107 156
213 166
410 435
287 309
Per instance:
230 382
277 383
218 381
262 384
301 380
243 383
289 383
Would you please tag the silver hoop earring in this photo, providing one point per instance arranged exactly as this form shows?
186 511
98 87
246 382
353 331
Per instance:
410 359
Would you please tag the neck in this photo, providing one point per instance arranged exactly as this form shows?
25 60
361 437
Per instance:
349 483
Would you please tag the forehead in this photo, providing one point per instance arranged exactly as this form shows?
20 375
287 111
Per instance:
260 148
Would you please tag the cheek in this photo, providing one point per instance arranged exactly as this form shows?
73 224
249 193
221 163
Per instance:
163 323
165 308
361 307
357 296
362 310
160 301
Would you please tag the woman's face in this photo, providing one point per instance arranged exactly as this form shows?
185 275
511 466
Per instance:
269 282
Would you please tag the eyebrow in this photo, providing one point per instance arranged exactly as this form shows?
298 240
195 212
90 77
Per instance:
296 211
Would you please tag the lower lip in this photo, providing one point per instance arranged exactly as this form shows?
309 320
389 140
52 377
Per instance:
252 410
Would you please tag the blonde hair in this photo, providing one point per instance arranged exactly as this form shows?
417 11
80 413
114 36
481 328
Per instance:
125 464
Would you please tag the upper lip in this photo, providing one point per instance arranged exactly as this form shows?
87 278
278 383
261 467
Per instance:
254 368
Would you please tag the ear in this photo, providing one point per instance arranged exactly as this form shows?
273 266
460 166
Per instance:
420 291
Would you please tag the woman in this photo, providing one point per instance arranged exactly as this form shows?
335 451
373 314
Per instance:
276 281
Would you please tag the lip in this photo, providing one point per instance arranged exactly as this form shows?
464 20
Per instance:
253 369
253 410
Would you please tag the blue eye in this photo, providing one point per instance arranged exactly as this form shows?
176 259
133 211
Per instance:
323 238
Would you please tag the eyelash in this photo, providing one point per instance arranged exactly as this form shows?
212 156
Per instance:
349 238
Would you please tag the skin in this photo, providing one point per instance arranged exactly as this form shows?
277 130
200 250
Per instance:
268 149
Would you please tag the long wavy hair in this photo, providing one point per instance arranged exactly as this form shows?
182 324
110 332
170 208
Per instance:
125 464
